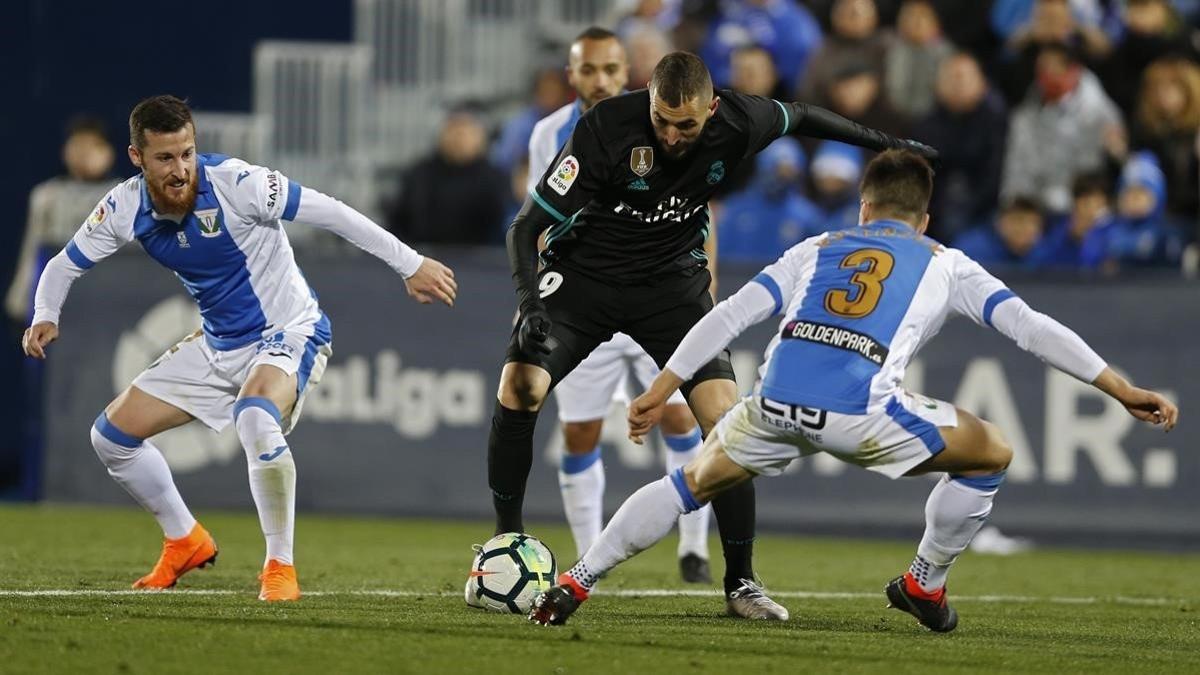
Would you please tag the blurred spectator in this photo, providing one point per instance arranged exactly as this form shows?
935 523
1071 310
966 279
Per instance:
855 38
1067 125
759 223
646 46
913 59
1013 239
453 196
550 92
642 14
856 92
1152 32
784 28
1141 234
1009 17
836 168
968 126
1167 121
59 206
753 72
968 26
1051 23
1078 239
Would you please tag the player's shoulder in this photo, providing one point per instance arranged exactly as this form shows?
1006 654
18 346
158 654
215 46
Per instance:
550 124
237 180
619 116
118 208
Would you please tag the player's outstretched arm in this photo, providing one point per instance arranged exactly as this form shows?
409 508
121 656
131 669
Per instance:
51 294
427 280
754 302
817 122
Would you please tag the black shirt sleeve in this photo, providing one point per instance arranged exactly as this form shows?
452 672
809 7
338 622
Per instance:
766 119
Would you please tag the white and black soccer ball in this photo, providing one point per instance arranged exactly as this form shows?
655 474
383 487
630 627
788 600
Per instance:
508 573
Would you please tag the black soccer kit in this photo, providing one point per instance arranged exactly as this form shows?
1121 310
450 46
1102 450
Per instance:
625 230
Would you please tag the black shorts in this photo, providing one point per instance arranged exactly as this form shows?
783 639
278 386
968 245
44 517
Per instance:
587 312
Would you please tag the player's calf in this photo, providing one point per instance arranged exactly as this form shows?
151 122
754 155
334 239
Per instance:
272 473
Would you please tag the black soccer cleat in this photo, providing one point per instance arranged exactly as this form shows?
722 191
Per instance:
937 616
555 606
694 569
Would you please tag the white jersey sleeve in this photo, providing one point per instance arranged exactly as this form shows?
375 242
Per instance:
320 210
984 298
263 195
542 150
107 229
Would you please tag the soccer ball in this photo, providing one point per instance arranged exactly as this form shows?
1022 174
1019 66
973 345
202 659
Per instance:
508 573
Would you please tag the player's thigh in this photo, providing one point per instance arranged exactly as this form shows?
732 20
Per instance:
142 415
710 400
581 438
659 316
677 418
712 471
284 367
586 393
186 378
579 323
271 382
973 447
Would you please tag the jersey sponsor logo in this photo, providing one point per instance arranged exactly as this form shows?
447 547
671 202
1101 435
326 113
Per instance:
272 189
836 336
641 160
564 175
209 222
671 209
716 172
638 185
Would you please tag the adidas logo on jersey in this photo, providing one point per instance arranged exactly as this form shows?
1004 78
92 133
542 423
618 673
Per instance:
639 185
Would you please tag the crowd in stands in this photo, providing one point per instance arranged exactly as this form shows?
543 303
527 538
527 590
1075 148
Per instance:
1068 128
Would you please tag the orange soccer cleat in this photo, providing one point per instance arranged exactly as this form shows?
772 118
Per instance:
278 582
180 556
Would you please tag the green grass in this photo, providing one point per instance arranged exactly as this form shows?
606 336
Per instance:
68 548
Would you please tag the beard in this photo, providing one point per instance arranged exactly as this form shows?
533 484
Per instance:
171 201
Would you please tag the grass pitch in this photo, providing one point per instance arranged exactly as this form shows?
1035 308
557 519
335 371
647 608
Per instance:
385 596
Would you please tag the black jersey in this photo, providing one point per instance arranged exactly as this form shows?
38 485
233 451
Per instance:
626 213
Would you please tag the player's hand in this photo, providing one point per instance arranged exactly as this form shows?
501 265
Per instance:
1150 406
534 332
432 281
644 414
37 337
927 151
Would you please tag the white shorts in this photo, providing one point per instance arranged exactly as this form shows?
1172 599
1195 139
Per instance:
204 382
764 436
587 392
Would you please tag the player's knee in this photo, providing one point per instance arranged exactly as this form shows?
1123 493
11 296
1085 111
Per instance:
1000 453
677 420
581 437
521 390
113 446
258 424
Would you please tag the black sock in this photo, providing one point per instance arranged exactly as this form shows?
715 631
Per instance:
734 510
510 456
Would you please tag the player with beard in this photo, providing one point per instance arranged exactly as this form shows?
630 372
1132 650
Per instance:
597 69
216 222
624 211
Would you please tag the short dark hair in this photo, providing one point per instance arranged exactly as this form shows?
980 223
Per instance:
1088 183
1070 54
1022 203
680 77
898 182
161 114
86 124
595 33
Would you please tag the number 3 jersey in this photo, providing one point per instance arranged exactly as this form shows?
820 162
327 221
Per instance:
857 305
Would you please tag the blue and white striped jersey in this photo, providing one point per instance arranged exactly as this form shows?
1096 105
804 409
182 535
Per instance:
548 137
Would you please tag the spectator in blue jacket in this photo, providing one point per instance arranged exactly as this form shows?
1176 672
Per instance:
1079 238
759 223
785 28
836 168
1141 234
1014 239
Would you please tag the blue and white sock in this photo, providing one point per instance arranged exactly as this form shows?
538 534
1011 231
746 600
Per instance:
957 508
693 527
581 481
141 469
272 473
642 521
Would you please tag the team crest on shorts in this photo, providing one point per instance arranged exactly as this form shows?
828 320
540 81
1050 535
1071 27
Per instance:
641 160
210 222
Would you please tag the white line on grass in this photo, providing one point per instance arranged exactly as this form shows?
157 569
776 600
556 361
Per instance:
620 593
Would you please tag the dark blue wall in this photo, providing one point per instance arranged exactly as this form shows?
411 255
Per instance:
65 57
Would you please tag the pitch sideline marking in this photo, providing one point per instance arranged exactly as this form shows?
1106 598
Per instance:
619 593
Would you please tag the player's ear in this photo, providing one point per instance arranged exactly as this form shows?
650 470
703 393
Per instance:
712 107
135 157
924 224
864 212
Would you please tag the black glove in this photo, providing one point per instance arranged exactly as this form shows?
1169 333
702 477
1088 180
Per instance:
928 152
534 332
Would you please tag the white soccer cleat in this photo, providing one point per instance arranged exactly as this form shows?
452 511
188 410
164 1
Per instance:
750 601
